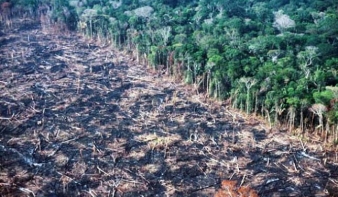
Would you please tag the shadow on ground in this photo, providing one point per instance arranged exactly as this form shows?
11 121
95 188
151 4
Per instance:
79 119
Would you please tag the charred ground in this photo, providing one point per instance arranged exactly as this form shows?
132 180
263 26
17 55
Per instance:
80 119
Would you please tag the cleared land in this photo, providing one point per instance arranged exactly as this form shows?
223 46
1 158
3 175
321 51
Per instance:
79 119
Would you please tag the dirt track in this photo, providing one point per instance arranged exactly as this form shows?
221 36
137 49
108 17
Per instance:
79 119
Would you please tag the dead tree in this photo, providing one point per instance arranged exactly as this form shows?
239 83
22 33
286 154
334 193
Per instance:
319 110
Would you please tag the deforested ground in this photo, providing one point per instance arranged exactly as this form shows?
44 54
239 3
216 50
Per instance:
78 118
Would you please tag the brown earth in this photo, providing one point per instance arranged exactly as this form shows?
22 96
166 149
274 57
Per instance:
80 119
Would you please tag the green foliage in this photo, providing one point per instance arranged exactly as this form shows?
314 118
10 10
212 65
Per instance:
323 97
333 115
222 42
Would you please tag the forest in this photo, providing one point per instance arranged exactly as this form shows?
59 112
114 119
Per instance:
168 97
276 59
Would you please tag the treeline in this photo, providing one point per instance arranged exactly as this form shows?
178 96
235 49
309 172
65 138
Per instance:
277 58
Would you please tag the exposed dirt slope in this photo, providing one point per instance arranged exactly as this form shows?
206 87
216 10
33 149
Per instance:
79 119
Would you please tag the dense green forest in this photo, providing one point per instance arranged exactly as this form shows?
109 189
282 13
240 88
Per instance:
277 59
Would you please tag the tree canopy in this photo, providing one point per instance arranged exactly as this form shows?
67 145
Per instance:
267 57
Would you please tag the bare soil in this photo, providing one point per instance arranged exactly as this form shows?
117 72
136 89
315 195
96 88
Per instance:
81 119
